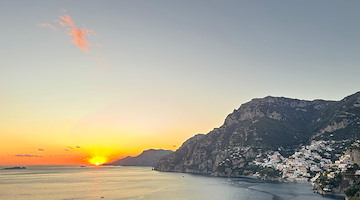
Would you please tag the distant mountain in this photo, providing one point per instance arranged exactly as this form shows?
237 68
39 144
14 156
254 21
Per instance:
262 126
146 158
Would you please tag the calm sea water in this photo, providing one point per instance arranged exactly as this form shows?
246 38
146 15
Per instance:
110 182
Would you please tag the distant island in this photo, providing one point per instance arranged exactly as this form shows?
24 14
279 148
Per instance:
146 158
7 168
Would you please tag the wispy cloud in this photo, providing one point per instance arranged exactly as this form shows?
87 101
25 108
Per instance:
27 155
68 148
78 34
50 26
72 148
41 149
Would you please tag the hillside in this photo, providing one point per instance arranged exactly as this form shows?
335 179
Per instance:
264 126
146 158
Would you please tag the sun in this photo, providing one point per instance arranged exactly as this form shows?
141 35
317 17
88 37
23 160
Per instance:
97 160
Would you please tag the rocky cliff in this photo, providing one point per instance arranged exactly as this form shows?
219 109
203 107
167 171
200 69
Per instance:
261 126
354 153
146 158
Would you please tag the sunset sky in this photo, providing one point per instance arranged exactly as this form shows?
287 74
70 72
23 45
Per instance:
83 79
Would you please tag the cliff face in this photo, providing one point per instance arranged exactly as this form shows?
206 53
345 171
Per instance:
264 125
146 158
339 121
354 153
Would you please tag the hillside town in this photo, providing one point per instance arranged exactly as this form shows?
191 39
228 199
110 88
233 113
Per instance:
330 166
311 159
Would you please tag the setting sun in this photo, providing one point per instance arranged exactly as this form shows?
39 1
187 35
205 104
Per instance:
180 100
98 160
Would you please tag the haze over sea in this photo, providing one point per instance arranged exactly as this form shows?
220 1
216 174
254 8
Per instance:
110 182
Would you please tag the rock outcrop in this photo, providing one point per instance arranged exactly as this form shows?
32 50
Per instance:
354 153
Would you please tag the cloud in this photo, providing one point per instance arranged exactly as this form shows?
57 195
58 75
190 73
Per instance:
66 21
68 148
53 28
27 155
72 148
41 149
78 34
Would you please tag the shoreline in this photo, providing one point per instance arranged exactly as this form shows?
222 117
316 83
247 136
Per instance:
273 189
256 179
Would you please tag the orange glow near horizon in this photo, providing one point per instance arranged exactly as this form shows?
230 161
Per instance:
114 130
98 155
97 160
78 153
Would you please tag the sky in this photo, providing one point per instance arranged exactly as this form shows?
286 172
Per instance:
98 80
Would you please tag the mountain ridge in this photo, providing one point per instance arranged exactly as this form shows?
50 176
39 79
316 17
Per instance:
147 158
261 126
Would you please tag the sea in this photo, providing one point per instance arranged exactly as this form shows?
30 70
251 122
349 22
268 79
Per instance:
129 183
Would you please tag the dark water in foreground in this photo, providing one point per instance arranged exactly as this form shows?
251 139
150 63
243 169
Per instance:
74 182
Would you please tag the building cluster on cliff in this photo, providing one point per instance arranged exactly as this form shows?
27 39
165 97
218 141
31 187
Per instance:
309 160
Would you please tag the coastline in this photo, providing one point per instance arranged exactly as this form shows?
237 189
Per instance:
255 179
192 185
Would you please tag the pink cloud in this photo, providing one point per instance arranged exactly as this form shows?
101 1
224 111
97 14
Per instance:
53 28
78 34
66 21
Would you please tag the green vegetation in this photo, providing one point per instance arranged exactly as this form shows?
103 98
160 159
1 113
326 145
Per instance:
356 167
354 190
269 172
330 179
354 198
